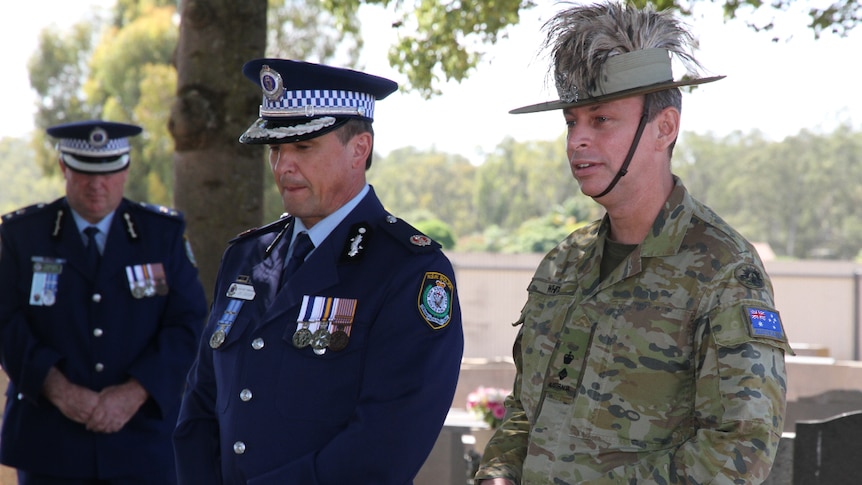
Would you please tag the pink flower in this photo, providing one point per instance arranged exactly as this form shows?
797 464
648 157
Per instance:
488 404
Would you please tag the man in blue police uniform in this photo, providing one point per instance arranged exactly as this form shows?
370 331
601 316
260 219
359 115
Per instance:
342 370
100 317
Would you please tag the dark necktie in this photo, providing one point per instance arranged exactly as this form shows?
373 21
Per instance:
93 255
301 247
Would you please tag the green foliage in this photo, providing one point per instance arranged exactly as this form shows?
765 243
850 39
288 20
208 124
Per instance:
837 17
440 41
408 180
23 181
438 231
521 199
121 69
301 29
800 195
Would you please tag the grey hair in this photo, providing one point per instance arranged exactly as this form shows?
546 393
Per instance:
581 38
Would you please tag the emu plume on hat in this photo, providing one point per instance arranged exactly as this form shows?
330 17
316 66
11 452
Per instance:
608 51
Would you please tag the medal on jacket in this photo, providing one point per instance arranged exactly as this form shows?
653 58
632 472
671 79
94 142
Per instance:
302 335
324 322
342 322
146 280
46 275
239 292
320 337
160 282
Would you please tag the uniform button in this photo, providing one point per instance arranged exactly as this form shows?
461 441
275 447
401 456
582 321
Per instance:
100 367
96 298
245 395
20 396
257 343
239 447
97 332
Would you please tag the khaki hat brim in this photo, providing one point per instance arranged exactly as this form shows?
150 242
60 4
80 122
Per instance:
560 104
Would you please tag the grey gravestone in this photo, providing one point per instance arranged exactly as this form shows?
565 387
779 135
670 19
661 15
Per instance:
822 406
782 467
828 451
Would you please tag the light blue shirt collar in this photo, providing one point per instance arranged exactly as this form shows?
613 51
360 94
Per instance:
104 226
320 231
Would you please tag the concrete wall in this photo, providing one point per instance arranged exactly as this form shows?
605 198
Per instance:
818 302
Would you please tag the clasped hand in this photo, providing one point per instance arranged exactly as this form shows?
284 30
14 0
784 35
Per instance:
106 411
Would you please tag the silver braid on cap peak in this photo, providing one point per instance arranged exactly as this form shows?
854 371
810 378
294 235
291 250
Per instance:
580 40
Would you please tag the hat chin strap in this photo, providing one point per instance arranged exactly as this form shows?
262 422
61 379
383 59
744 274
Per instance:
624 169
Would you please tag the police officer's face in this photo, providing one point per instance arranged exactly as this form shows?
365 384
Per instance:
318 176
94 196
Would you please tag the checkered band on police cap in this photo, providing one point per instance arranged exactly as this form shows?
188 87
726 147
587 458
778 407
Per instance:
319 102
94 146
303 100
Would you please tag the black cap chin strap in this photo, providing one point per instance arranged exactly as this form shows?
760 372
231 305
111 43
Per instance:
624 169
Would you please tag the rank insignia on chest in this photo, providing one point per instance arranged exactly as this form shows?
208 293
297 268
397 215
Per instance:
356 243
764 323
435 299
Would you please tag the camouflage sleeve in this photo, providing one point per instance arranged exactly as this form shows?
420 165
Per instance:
739 411
506 450
740 398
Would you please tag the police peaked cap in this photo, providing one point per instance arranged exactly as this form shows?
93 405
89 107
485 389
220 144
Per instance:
303 100
94 146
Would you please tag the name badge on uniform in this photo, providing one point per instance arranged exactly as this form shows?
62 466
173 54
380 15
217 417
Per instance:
46 275
242 291
239 292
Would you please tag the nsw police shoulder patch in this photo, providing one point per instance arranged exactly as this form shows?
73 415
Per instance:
435 299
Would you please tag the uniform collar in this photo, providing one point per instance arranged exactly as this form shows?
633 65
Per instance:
324 228
104 226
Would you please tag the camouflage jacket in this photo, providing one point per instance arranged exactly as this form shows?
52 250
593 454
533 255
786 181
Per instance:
671 370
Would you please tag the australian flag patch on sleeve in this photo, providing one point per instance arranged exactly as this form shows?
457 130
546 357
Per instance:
764 323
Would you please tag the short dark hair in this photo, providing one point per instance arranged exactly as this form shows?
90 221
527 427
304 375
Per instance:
655 102
353 127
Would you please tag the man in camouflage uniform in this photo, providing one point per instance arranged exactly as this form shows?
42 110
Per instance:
650 349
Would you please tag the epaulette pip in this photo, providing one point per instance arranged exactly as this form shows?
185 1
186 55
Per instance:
408 235
161 210
24 212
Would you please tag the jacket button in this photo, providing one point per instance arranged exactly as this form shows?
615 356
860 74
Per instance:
100 367
96 298
257 343
245 395
239 447
97 332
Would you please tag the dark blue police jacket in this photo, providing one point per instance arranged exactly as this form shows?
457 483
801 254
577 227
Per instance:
97 333
261 410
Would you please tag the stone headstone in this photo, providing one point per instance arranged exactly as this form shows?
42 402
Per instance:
821 406
827 452
782 467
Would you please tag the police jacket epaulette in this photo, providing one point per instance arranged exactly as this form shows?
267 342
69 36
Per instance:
408 235
161 210
277 225
27 211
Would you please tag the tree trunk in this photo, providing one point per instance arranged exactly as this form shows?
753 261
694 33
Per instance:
218 181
